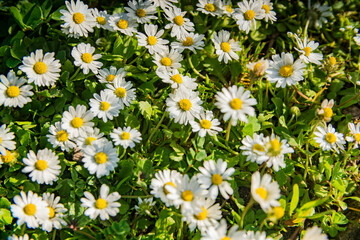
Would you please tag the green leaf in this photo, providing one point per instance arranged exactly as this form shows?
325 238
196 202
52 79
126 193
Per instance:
5 216
4 203
314 203
145 109
294 199
18 18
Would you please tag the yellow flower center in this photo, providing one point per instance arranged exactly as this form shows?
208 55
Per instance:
202 215
216 179
229 8
328 112
258 147
8 157
78 18
30 209
168 183
41 165
332 61
166 61
185 104
330 138
77 122
266 8
89 140
0 140
357 137
101 20
249 15
256 67
100 203
100 158
179 20
205 124
261 192
104 106
177 78
278 212
125 136
13 91
236 104
188 41
40 68
187 195
52 212
286 71
110 77
210 7
140 12
307 51
62 136
226 238
87 58
275 147
151 40
120 92
123 24
225 46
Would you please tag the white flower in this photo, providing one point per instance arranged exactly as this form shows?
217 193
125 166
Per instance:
318 14
105 105
207 125
275 151
152 40
59 137
141 11
220 232
29 209
5 140
102 19
269 15
212 177
168 60
163 4
56 213
191 41
77 121
109 75
306 49
284 71
329 139
254 148
14 237
123 23
100 158
212 7
144 207
265 191
8 158
355 132
12 91
314 233
44 167
179 25
106 205
259 67
225 47
78 19
85 58
357 39
326 111
177 80
248 13
87 138
251 235
123 91
126 137
226 7
235 103
183 105
41 69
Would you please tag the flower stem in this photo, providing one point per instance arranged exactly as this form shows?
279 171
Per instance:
23 229
217 142
347 101
157 127
193 68
228 132
301 94
54 235
76 73
248 206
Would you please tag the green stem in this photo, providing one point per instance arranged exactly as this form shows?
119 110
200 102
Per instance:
344 103
228 132
85 233
54 235
193 68
217 142
248 206
157 126
74 75
141 54
306 28
23 228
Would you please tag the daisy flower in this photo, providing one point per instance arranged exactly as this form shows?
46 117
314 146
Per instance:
163 4
355 132
357 39
78 19
44 167
144 207
56 214
213 178
183 105
306 49
59 137
141 11
248 13
106 205
284 71
267 5
275 151
102 19
161 181
109 75
126 137
265 191
77 121
251 235
207 125
105 105
123 91
226 7
12 91
225 47
177 80
14 237
123 23
318 14
191 41
314 233
5 140
168 60
179 25
329 139
87 138
220 232
326 112
211 7
275 213
8 158
41 69
258 68
235 103
29 208
85 58
254 148
152 40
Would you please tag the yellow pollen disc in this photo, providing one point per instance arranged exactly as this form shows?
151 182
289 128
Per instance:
279 212
249 15
52 212
101 20
0 140
187 195
13 91
275 147
125 136
330 138
41 165
185 104
140 12
205 124
261 192
210 7
78 18
8 157
256 67
236 104
226 238
357 137
225 46
188 41
177 78
179 20
332 61
77 122
87 58
202 215
216 179
286 71
100 158
40 68
89 140
328 112
104 106
62 136
266 8
258 147
120 92
30 209
122 23
151 40
307 51
110 77
100 203
229 8
168 183
166 61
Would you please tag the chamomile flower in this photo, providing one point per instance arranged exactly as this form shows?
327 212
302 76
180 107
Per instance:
8 158
329 139
123 23
355 132
41 69
141 11
152 39
254 148
126 137
109 75
168 60
177 80
275 151
211 7
102 19
5 140
251 235
284 71
106 205
326 112
265 191
144 207
87 138
220 232
248 13
123 91
56 213
267 5
318 14
85 58
12 91
29 208
207 124
183 105
306 49
357 39
258 68
178 24
163 4
235 103
60 137
226 7
314 233
78 19
77 121
226 47
191 41
213 178
14 237
105 105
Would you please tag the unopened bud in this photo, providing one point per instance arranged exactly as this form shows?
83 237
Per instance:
295 111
